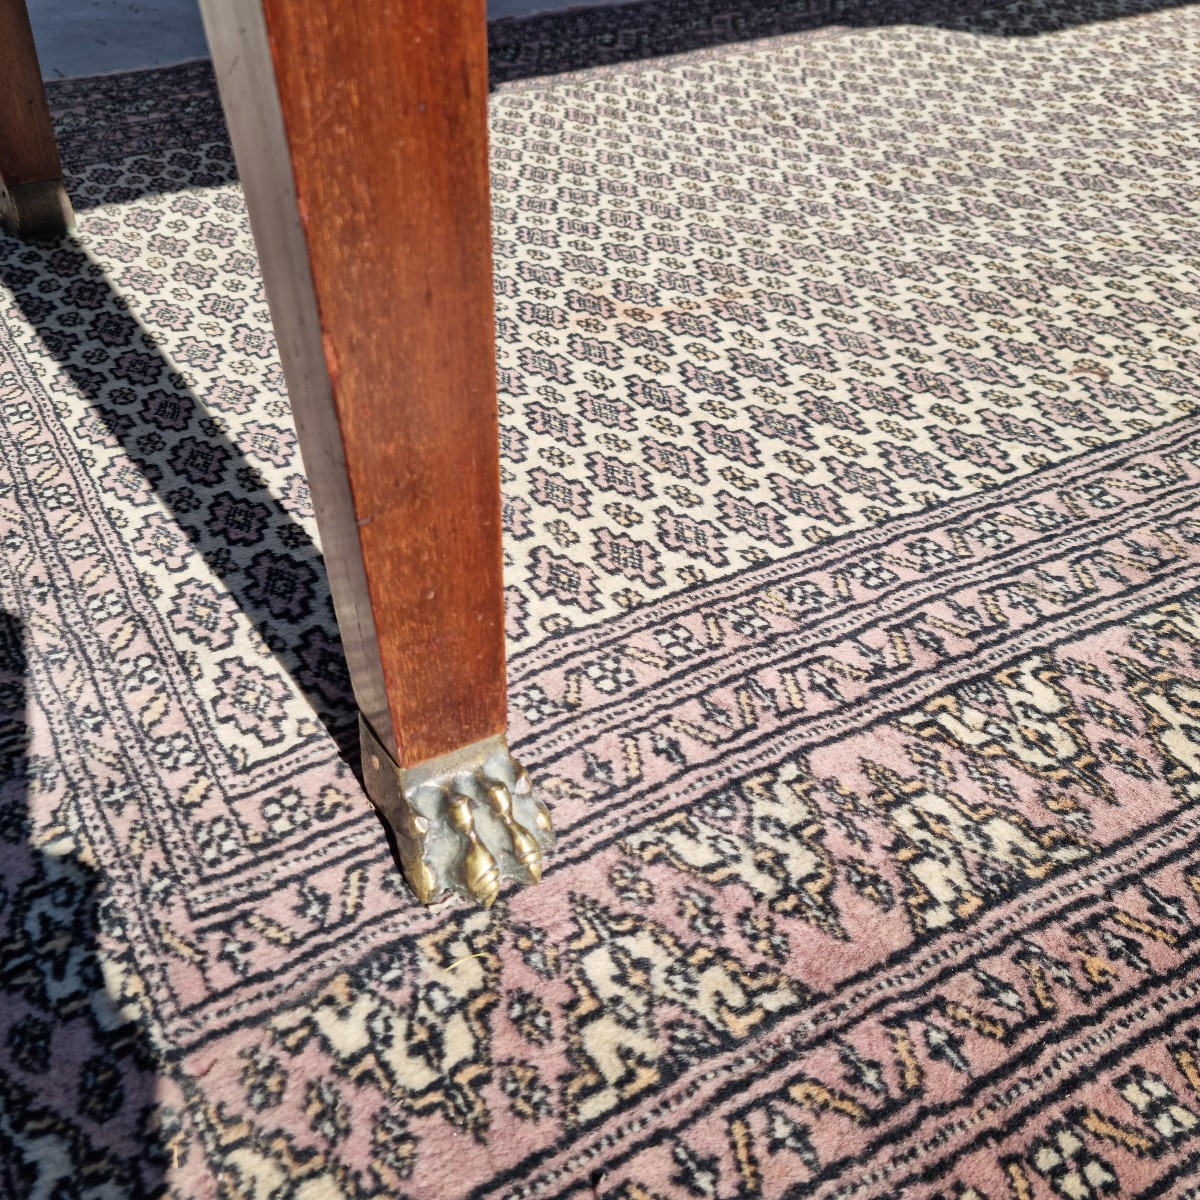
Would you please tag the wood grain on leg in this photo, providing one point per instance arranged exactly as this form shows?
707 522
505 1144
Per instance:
360 132
33 199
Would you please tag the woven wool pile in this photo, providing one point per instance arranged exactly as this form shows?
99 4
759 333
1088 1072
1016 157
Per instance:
848 378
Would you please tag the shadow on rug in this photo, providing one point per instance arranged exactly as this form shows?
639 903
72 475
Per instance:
91 1061
551 43
848 394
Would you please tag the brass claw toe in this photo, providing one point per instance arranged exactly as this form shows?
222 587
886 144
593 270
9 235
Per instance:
525 846
481 872
420 876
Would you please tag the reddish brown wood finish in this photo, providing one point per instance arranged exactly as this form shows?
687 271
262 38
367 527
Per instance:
28 153
384 104
30 171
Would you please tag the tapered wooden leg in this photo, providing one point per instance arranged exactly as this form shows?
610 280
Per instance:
360 131
33 199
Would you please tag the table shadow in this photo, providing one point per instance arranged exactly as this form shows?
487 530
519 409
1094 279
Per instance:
211 491
78 1109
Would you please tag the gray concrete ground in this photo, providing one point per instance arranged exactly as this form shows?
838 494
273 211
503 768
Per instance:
92 37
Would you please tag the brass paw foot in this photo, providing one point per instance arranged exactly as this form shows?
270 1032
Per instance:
464 822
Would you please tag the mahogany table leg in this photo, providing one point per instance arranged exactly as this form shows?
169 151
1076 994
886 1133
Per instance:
360 131
33 199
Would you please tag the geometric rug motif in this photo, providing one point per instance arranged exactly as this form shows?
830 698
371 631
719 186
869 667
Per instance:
853 562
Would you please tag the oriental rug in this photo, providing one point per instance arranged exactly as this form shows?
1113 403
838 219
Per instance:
848 366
